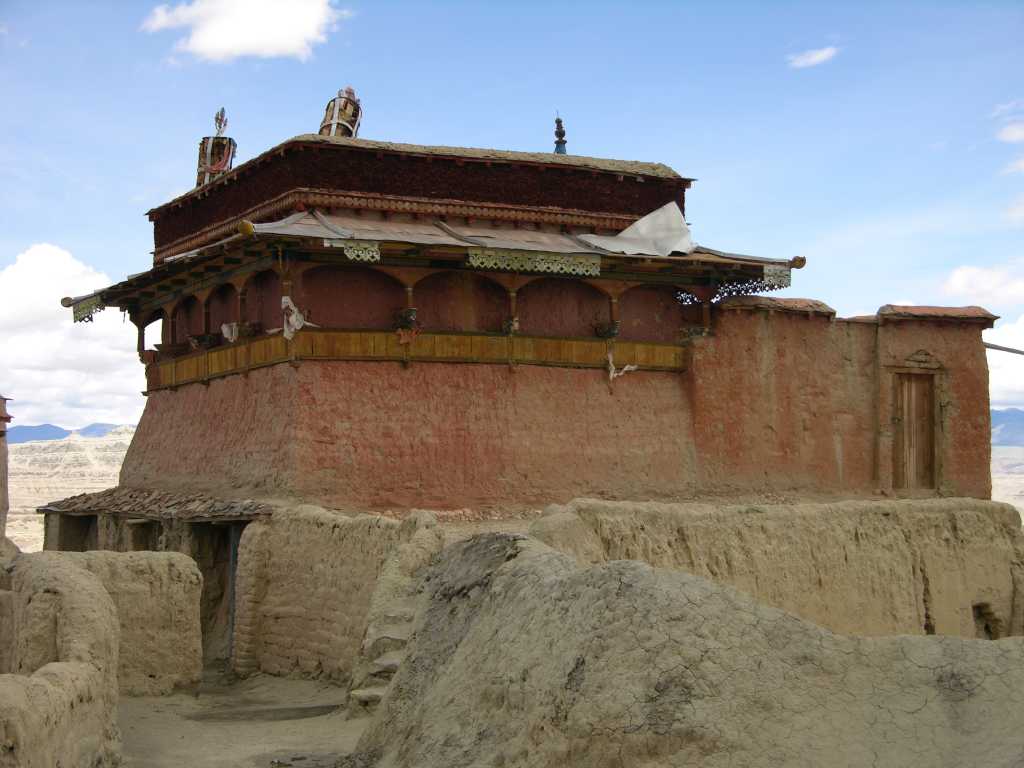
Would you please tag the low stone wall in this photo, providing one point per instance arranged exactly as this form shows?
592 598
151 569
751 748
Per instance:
59 705
304 585
938 566
156 595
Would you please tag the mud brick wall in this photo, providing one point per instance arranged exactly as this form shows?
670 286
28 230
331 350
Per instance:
893 567
304 583
774 401
59 704
156 595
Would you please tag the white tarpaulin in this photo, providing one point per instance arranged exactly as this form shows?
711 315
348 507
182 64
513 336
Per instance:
660 233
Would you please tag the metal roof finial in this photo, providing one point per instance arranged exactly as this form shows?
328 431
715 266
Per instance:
559 136
220 121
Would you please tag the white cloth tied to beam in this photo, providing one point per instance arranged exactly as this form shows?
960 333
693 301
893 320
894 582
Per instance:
294 320
661 232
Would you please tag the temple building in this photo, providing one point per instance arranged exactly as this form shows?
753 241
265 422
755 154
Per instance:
371 326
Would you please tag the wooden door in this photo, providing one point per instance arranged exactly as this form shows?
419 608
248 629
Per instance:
914 423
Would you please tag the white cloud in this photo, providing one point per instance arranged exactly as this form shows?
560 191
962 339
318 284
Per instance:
1015 213
811 58
987 286
1006 370
221 30
1017 166
1011 133
1007 108
57 371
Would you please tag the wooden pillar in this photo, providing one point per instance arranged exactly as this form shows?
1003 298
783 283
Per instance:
169 331
140 335
409 303
203 297
613 302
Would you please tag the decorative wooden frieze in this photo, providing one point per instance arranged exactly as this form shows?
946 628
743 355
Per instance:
83 311
777 276
519 261
356 250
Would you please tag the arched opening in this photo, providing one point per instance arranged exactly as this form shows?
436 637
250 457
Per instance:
222 307
263 300
188 320
351 297
152 336
653 313
460 301
558 307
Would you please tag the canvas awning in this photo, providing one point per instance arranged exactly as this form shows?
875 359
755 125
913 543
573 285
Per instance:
659 241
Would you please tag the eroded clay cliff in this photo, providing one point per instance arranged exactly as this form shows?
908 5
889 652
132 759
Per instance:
523 657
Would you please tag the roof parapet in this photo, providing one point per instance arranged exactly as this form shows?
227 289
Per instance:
972 314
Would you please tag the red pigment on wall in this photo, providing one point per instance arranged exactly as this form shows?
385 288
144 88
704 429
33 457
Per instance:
351 297
773 402
556 307
461 301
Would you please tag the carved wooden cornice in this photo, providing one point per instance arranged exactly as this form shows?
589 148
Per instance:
297 199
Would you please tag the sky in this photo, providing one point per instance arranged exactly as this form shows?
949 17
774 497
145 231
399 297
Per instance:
883 142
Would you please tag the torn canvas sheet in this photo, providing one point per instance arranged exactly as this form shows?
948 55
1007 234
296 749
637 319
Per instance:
660 233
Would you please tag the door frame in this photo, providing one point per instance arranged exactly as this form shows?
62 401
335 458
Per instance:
939 382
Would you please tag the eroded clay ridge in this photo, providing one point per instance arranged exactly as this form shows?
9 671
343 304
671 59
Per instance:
524 657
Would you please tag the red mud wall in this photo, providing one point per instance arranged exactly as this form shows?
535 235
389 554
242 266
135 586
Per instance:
263 299
461 301
964 438
436 435
785 401
773 402
792 401
351 297
652 313
234 436
223 306
559 307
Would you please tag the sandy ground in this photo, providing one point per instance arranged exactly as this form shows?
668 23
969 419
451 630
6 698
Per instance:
263 722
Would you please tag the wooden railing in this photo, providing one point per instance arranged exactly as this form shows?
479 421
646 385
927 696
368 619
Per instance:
248 354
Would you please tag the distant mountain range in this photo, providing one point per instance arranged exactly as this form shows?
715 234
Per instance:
1008 427
25 433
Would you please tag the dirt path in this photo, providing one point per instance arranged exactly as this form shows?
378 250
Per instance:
263 722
